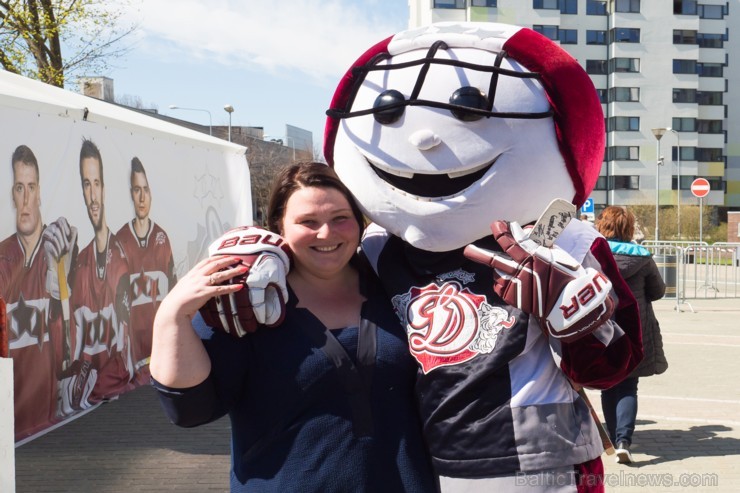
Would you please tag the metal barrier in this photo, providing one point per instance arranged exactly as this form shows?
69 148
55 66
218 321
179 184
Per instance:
670 261
697 270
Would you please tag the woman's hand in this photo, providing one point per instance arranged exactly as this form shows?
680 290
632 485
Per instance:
179 359
201 283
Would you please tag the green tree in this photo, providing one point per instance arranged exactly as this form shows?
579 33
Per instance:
49 40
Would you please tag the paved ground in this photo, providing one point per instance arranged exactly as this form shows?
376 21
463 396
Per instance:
687 437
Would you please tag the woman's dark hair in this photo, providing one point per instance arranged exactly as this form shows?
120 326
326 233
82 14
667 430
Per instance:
303 175
616 223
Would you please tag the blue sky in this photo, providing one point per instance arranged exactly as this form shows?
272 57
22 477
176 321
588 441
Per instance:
275 62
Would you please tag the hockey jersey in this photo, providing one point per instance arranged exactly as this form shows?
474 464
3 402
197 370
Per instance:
494 391
100 302
151 276
34 336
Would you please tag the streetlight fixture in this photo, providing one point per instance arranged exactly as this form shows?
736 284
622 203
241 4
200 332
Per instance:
210 119
229 109
658 132
678 163
678 196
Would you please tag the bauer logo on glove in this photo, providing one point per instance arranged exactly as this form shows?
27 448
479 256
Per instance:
265 294
568 301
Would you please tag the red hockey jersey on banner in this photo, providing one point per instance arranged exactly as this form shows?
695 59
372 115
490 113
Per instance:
151 274
32 337
100 305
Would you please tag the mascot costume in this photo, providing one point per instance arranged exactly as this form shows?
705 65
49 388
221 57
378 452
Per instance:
454 138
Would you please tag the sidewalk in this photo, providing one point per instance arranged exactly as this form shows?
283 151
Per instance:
687 437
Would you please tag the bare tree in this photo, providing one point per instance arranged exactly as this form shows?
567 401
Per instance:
35 33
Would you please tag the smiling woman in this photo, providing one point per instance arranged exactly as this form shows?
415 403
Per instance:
323 401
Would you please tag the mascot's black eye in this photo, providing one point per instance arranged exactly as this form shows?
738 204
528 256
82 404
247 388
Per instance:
390 115
470 97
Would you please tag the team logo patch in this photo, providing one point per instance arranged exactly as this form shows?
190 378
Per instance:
447 324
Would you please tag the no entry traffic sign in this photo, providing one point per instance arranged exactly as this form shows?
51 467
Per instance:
700 187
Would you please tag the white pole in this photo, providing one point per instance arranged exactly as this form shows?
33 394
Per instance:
657 194
678 199
701 217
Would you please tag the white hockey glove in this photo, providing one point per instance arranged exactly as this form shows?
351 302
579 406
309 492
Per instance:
75 387
59 241
263 301
567 300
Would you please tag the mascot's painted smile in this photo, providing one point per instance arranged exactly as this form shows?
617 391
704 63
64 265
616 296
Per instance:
431 186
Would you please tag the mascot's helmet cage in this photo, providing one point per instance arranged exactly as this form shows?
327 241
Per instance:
467 103
575 105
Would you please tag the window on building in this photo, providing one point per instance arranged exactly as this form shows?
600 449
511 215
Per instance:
684 124
684 66
600 183
631 94
624 35
449 4
568 36
485 3
546 4
627 6
596 67
685 182
684 37
709 69
624 153
547 31
684 95
715 183
624 65
709 98
710 40
568 6
712 11
684 7
595 7
709 154
602 95
623 123
709 126
626 182
595 37
688 153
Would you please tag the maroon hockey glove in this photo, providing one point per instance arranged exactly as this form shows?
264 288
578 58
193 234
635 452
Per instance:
266 292
567 300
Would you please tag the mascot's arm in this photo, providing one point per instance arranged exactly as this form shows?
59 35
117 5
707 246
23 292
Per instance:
373 241
606 356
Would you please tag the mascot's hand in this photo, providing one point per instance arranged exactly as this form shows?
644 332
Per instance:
567 300
60 242
263 301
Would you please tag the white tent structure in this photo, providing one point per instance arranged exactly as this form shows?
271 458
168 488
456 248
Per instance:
200 185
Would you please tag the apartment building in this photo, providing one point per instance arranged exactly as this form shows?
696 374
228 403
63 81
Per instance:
663 68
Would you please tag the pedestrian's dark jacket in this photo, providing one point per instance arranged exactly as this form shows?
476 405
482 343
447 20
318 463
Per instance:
638 268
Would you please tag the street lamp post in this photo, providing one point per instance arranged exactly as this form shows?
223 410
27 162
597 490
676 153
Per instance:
678 196
658 132
229 109
210 119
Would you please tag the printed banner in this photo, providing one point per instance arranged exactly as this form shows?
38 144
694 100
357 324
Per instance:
106 208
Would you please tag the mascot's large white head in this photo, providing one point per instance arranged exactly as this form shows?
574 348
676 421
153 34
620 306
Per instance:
440 130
